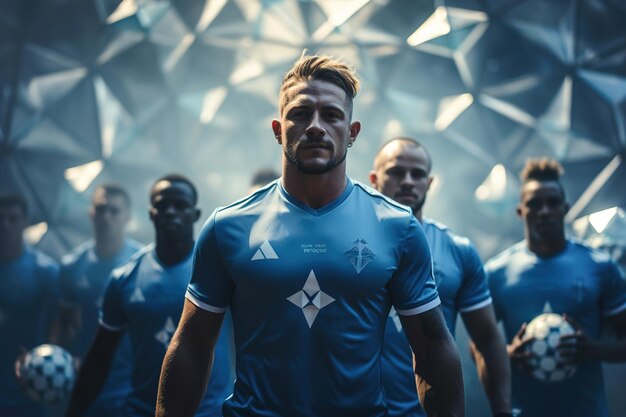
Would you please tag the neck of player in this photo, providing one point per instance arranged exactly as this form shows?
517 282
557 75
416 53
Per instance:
107 248
173 251
547 248
314 190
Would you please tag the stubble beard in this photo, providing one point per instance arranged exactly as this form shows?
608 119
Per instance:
417 207
292 157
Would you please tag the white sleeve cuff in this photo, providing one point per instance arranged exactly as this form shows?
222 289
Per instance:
417 310
201 304
477 306
615 310
109 327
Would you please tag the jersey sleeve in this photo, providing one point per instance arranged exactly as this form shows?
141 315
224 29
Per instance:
613 299
112 314
413 289
474 292
211 285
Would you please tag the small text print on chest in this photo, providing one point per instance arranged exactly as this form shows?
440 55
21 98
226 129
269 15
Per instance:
315 248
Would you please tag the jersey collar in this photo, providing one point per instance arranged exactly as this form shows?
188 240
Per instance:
322 210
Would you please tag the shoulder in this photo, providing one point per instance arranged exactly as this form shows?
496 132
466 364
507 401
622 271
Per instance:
504 258
126 271
385 207
460 242
252 204
76 254
599 258
42 261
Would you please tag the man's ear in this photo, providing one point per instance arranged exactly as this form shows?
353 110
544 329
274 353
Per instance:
373 178
276 128
355 128
151 214
197 215
518 210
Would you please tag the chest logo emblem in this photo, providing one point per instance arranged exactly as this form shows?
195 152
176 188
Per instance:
360 255
265 251
311 299
165 334
137 296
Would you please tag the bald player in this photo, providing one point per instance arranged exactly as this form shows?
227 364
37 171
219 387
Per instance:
402 171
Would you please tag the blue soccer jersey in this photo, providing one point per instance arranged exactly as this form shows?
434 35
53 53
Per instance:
83 279
310 291
145 298
462 288
27 298
580 282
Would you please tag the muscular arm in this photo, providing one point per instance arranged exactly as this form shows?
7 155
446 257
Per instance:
94 371
437 364
187 364
492 361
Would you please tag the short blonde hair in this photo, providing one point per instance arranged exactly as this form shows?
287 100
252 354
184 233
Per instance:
320 67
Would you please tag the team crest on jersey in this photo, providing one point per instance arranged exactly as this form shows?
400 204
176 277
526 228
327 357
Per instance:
360 255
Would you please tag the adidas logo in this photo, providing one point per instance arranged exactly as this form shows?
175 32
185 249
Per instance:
265 252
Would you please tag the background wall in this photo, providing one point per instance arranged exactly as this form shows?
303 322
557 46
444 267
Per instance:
108 90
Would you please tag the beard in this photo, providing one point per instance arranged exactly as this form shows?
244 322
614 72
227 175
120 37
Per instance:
419 204
291 154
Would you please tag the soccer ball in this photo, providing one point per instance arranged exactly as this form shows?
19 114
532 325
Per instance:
47 373
546 331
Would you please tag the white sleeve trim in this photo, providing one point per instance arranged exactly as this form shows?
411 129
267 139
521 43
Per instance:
203 305
417 310
109 327
615 310
475 307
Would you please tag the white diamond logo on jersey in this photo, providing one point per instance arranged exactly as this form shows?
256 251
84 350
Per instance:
165 334
265 251
311 299
137 296
547 308
83 282
393 314
360 255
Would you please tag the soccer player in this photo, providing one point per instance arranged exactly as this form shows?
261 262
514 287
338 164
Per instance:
310 267
401 171
83 278
144 298
28 279
548 272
